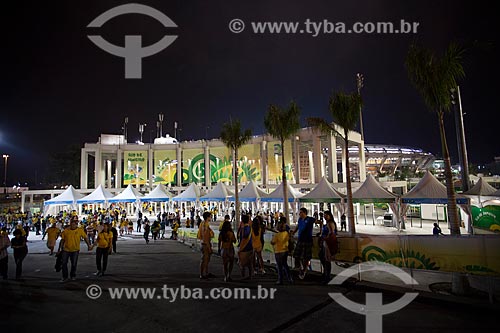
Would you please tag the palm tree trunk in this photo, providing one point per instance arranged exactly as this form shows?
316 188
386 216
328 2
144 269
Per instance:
450 188
350 208
236 194
285 187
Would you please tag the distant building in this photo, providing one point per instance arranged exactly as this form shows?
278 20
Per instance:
115 163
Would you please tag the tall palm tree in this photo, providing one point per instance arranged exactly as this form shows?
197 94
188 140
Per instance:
234 137
344 109
434 77
282 124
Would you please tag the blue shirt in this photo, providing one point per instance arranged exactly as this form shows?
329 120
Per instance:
305 229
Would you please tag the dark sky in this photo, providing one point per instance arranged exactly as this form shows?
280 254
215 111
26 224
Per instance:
58 88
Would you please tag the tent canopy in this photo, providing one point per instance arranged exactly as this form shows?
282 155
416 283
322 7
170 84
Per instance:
219 193
429 190
159 194
277 194
323 192
68 197
192 193
372 191
250 193
129 194
481 188
99 195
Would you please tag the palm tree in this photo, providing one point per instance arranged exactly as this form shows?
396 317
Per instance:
234 137
434 77
282 124
344 109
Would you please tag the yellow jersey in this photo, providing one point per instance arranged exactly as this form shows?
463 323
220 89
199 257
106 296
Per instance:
72 239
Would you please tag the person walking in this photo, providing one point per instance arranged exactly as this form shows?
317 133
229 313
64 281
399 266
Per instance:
257 244
18 243
245 252
205 235
303 248
343 223
280 245
114 232
104 247
147 229
69 246
52 234
4 255
328 246
226 249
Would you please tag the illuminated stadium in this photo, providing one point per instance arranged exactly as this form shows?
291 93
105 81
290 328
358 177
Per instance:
114 163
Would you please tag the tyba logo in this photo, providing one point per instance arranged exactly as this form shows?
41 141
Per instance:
133 52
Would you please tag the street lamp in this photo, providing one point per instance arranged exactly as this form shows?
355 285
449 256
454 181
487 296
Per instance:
160 118
5 157
141 130
360 83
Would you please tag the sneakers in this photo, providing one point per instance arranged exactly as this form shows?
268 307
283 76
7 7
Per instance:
210 275
97 273
302 274
203 277
73 278
63 280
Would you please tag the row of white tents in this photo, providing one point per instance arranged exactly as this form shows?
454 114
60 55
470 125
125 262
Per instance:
428 191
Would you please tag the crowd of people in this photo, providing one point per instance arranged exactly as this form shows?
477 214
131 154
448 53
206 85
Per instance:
100 229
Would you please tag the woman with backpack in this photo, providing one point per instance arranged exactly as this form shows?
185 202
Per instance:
328 245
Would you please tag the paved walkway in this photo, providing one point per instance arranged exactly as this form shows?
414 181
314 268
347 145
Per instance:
40 302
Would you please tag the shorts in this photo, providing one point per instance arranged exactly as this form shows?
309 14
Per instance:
246 258
227 254
303 250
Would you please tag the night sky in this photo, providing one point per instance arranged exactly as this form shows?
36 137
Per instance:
58 88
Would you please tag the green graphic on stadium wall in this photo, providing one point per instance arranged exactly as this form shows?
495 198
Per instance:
400 258
487 217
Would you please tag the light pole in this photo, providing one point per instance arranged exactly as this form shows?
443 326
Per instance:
462 147
359 83
5 157
141 130
125 124
160 118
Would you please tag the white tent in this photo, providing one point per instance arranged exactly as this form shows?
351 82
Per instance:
219 193
277 194
323 192
372 191
129 194
250 193
68 197
481 188
99 195
429 190
159 194
192 193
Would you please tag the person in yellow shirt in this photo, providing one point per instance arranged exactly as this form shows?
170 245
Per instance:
280 245
52 234
104 246
205 235
69 246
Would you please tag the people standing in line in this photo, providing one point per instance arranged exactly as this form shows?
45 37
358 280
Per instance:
303 248
226 248
147 230
343 223
4 255
436 231
245 252
205 235
69 246
280 245
257 236
104 247
328 246
52 234
18 243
